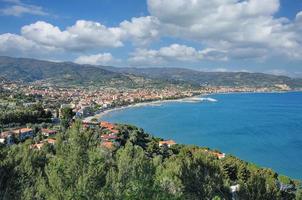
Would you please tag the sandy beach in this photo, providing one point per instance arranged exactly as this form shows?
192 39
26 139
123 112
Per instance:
151 103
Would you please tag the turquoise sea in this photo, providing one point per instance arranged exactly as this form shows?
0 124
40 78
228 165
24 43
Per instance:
263 128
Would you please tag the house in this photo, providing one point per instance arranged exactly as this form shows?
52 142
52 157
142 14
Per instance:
7 137
108 137
37 146
109 126
168 143
216 154
219 155
91 125
42 143
48 132
50 141
24 133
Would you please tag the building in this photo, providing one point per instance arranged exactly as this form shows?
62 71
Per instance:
47 132
42 143
84 112
168 143
24 133
20 134
219 155
7 137
111 137
109 126
91 125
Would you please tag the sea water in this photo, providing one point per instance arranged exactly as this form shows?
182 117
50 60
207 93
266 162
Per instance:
263 128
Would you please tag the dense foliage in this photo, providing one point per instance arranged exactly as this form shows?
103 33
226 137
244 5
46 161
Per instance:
24 115
77 167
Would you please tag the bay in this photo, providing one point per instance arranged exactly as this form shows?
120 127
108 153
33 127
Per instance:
263 128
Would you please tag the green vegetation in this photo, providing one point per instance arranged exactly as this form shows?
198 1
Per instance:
77 167
67 74
21 115
70 74
231 79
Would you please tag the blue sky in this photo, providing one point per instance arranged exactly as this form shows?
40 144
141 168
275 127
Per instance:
217 35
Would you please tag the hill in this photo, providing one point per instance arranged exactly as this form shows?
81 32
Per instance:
66 73
80 166
212 78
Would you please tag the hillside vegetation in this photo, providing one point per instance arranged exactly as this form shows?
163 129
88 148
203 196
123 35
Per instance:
77 167
67 73
212 78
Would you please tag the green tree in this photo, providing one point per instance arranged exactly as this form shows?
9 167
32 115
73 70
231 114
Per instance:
191 176
133 176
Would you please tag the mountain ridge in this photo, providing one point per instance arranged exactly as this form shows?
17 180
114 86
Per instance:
31 70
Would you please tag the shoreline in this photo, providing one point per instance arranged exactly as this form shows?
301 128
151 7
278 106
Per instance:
139 104
99 115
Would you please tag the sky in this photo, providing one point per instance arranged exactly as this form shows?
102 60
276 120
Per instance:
208 35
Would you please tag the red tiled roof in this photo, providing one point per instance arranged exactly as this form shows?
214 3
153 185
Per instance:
42 143
109 126
167 142
22 130
109 137
51 140
51 132
37 146
218 155
6 134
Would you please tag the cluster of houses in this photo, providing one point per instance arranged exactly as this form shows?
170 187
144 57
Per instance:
10 137
109 135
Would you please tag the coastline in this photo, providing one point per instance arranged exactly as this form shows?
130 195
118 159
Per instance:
182 99
140 104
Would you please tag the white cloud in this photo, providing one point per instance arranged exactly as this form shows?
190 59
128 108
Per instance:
19 9
225 29
278 72
97 59
220 70
246 26
15 45
174 52
141 30
81 36
94 33
86 36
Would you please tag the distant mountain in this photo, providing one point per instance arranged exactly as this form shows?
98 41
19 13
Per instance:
211 78
68 73
64 73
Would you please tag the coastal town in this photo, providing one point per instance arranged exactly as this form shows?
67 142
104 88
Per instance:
85 104
88 101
